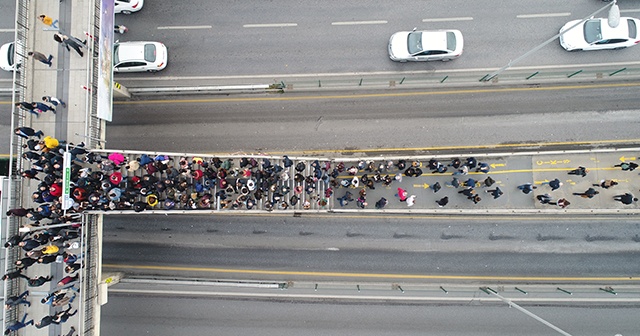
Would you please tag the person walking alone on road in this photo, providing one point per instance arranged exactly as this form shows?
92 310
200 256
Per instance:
443 201
544 199
411 200
26 132
381 203
582 171
70 41
590 193
402 194
41 57
627 166
626 198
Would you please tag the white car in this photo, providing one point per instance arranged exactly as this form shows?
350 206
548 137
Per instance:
139 56
595 34
128 6
7 60
426 45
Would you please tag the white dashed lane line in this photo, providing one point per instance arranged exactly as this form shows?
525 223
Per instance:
184 27
629 10
269 25
353 23
8 30
463 18
543 15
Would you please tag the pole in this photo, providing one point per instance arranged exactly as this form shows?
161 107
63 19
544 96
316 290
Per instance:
536 317
525 55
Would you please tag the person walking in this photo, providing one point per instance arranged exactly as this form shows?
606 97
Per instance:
443 201
41 57
63 316
589 193
42 107
436 187
527 187
626 198
26 132
563 203
627 166
496 193
544 199
554 184
606 184
381 203
14 275
53 100
70 41
27 107
49 21
39 281
24 263
582 171
17 325
45 321
13 301
402 194
411 200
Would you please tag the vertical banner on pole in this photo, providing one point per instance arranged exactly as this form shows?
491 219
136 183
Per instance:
66 181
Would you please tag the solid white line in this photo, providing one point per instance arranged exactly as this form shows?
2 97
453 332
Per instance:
629 10
8 30
464 18
350 23
184 27
269 25
532 16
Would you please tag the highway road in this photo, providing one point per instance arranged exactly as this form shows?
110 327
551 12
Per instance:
394 247
139 314
414 119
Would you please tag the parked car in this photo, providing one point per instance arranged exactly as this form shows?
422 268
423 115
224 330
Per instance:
139 56
128 6
7 57
426 45
595 34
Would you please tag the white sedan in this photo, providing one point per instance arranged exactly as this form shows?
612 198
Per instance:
127 6
139 56
7 60
595 34
425 45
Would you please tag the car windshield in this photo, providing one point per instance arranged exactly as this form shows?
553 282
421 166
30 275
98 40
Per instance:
632 28
414 43
592 31
451 41
150 52
116 59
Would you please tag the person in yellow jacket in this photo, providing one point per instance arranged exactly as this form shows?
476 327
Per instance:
51 142
50 249
48 21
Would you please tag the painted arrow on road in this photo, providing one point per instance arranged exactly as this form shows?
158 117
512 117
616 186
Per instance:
424 185
623 159
494 165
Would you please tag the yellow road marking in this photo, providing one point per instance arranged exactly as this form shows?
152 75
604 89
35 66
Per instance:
369 275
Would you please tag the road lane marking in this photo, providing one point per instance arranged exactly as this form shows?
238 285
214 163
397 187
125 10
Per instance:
7 30
369 275
463 18
351 23
629 10
542 15
184 27
269 25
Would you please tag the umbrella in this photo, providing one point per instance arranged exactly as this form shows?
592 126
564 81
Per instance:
116 158
115 178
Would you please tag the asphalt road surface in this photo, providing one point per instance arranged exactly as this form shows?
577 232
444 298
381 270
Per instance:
132 314
395 245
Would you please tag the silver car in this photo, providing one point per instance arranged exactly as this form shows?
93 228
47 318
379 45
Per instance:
426 45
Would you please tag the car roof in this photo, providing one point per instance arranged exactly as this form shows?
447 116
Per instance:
434 40
622 30
131 51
